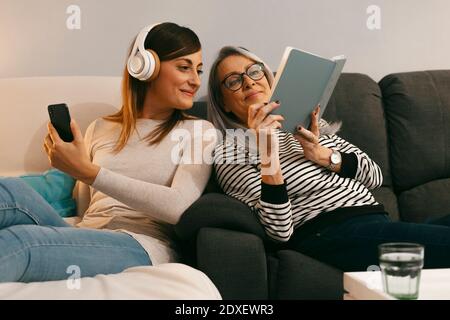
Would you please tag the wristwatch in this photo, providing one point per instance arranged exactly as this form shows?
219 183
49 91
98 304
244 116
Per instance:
335 160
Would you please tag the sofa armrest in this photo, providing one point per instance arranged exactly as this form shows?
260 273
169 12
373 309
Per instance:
235 261
218 211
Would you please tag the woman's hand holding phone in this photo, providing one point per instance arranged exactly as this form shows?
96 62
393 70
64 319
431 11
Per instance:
70 157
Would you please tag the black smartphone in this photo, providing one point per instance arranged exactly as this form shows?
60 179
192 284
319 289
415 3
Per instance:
60 119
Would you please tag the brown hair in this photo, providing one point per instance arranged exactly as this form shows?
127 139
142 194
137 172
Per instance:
169 41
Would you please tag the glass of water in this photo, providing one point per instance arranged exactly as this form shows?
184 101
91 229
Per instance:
401 264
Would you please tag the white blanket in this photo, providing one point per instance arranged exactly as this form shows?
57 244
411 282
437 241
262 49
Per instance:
170 281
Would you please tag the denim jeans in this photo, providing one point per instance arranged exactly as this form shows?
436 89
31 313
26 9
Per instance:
352 245
36 244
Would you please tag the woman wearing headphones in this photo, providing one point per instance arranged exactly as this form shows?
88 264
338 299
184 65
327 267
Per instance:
141 179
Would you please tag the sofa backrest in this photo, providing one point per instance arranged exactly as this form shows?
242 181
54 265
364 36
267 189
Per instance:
357 103
199 109
417 108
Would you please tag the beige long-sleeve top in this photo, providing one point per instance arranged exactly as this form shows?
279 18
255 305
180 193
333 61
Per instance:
144 189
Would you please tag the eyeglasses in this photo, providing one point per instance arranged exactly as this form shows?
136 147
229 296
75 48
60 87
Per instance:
234 81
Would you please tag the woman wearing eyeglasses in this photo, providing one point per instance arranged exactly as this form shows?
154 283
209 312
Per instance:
311 190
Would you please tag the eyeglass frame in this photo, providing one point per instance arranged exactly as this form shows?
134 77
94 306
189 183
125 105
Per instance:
241 76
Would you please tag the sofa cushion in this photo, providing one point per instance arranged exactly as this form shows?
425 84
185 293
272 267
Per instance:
356 102
417 107
56 188
416 204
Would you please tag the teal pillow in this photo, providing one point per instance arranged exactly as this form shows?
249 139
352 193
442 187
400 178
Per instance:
56 188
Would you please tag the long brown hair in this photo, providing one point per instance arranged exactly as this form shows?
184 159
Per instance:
169 41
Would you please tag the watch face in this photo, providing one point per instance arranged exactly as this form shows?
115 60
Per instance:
335 157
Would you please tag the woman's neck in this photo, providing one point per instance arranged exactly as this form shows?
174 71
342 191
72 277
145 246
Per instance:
155 114
153 109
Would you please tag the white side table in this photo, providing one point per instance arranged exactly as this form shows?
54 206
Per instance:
434 285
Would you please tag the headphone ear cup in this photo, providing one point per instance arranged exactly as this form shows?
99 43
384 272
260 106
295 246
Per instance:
154 59
136 64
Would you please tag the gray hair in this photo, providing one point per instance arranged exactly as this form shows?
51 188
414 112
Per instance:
223 120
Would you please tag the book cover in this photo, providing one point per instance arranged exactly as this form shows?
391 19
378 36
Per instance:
304 80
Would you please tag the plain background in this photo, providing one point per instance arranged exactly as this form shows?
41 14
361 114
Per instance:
35 41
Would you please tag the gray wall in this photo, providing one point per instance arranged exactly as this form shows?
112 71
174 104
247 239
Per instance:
413 34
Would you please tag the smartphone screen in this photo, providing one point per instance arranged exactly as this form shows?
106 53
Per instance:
60 119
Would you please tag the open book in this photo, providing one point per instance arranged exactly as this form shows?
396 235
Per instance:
304 80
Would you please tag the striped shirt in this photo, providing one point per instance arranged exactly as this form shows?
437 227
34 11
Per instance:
309 189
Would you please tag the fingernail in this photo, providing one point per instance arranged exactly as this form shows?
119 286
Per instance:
299 128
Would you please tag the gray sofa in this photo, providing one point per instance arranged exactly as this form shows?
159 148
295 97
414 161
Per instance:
402 122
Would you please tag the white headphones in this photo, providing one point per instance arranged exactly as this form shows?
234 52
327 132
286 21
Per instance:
143 64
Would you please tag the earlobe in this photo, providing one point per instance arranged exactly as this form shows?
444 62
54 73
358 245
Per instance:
227 110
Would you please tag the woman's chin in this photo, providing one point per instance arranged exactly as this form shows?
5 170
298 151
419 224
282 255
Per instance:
185 104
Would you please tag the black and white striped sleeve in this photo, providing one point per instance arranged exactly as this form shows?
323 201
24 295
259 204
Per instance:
275 212
269 202
367 171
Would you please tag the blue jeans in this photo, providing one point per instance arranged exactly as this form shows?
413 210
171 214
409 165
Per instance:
36 244
352 245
